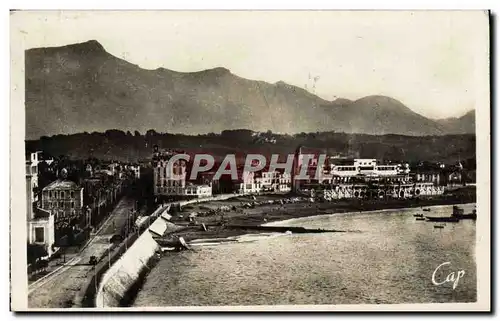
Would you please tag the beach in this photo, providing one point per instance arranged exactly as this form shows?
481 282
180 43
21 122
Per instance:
227 218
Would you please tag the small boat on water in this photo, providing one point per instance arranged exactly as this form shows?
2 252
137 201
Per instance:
459 213
442 219
420 218
426 210
439 226
418 215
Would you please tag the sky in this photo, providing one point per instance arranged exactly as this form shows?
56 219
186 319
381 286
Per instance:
433 62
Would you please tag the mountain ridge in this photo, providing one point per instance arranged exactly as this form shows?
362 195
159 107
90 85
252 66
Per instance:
81 87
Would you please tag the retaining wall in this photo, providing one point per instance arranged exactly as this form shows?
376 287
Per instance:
122 275
116 282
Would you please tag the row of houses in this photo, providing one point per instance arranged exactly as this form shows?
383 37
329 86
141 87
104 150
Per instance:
67 207
173 181
338 178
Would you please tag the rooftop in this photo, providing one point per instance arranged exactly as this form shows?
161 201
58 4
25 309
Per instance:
104 171
61 184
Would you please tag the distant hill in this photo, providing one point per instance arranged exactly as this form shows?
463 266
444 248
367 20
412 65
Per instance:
118 145
81 87
460 125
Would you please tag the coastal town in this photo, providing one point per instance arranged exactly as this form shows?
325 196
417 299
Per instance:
70 202
246 160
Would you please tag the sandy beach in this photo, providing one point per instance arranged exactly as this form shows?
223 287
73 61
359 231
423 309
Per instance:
221 217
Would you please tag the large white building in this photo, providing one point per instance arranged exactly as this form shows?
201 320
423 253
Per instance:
264 181
31 183
64 198
368 167
168 180
248 184
361 178
171 180
199 191
274 182
40 222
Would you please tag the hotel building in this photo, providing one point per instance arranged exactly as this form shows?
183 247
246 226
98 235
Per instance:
168 180
64 199
361 178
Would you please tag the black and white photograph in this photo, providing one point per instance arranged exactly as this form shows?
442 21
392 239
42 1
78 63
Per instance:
320 160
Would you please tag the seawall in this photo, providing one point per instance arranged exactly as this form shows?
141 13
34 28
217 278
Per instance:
116 283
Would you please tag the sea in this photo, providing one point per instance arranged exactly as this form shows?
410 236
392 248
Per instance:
382 257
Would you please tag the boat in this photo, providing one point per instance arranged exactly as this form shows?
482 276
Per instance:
172 244
420 218
438 226
459 213
418 215
426 210
442 219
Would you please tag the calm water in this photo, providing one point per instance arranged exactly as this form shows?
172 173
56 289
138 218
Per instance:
389 260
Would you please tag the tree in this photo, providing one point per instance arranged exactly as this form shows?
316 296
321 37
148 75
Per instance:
41 265
35 252
151 133
114 134
137 134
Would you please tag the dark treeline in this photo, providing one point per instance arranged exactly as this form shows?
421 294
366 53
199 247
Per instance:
133 147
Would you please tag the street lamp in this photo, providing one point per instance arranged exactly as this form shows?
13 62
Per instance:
126 230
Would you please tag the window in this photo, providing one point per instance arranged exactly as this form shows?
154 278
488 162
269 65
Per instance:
61 204
39 234
50 193
72 194
72 204
62 194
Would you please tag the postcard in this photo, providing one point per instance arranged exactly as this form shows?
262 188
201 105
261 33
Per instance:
250 161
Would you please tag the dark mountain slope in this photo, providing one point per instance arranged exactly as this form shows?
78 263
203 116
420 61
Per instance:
81 87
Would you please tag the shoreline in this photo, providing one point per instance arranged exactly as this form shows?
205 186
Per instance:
223 226
384 210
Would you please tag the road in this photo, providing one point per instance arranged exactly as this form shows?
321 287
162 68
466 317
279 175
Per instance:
57 289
